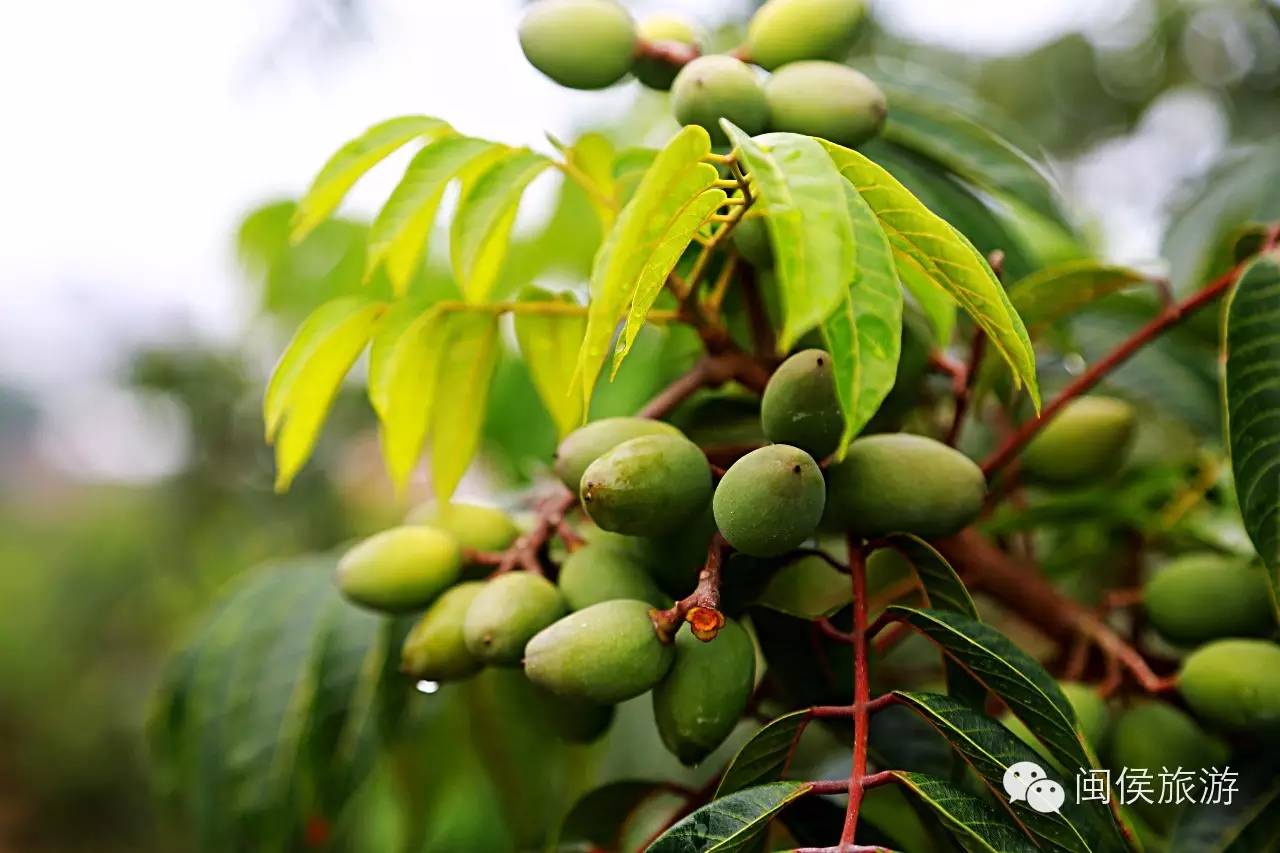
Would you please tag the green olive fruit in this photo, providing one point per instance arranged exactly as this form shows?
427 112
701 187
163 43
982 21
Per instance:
1201 597
800 406
714 87
587 444
902 483
481 528
751 239
582 44
913 367
400 569
573 720
596 573
1235 685
704 693
648 486
435 648
783 31
825 99
1088 440
605 653
651 71
506 613
770 500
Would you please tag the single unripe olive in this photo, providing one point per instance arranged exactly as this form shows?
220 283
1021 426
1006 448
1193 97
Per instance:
653 72
1235 685
596 573
800 406
506 613
648 486
582 44
714 87
482 528
751 239
825 99
573 720
1089 439
901 483
400 569
783 31
1201 597
704 693
588 443
770 500
606 653
435 648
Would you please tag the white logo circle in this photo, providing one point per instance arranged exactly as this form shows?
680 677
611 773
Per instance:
1046 796
1019 777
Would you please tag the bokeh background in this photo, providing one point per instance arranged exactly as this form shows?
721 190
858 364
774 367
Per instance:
150 154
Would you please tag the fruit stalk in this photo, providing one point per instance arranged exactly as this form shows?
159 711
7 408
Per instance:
700 608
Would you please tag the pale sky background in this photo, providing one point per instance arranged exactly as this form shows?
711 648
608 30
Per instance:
138 132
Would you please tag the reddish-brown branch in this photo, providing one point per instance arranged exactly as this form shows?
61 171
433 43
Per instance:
700 608
674 53
963 387
861 691
832 632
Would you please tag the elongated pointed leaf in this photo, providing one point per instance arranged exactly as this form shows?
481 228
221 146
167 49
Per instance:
676 177
864 335
482 226
931 248
935 303
731 823
1252 344
394 323
762 757
809 225
462 388
308 376
549 344
973 824
398 236
405 392
592 157
1052 293
1250 822
352 160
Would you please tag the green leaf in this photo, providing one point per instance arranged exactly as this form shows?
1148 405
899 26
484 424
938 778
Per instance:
808 219
1250 822
730 823
592 159
482 225
469 354
393 325
549 344
405 392
599 817
972 151
762 757
991 749
676 178
1055 292
1252 348
864 335
926 245
808 587
974 825
398 236
308 375
352 160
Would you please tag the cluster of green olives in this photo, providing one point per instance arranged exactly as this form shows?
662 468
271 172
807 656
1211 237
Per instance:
591 44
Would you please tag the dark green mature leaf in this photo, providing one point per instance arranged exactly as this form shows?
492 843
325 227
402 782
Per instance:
971 150
926 245
469 354
762 757
808 587
1250 822
549 344
809 225
973 824
352 160
864 335
729 823
991 749
1054 292
599 817
1252 347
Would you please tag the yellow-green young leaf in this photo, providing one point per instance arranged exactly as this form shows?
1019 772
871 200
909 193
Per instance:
807 216
403 392
482 225
676 176
308 376
1052 293
864 335
399 234
925 243
935 303
399 317
549 344
591 159
462 387
352 160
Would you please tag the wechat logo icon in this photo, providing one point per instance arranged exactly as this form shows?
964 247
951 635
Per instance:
1027 781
